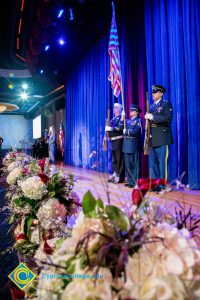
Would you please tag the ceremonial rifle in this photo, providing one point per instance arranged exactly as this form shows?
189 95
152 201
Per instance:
105 139
147 129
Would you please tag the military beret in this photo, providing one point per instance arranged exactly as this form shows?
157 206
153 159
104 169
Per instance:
135 107
158 88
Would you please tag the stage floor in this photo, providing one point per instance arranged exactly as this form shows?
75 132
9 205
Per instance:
119 195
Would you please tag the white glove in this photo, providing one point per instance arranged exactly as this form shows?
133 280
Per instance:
123 113
124 131
108 128
149 116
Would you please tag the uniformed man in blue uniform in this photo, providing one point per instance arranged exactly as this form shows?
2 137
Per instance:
132 145
160 117
116 140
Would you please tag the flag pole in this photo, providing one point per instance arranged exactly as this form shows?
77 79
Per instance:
122 90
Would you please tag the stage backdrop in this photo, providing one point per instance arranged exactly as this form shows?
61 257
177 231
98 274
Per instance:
173 59
16 132
159 43
89 94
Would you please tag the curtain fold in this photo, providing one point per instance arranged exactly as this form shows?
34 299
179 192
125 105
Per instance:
89 94
159 43
172 50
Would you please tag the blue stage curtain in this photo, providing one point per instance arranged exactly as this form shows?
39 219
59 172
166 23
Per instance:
173 60
89 94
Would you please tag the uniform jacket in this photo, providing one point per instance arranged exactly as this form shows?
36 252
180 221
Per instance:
116 132
132 137
160 132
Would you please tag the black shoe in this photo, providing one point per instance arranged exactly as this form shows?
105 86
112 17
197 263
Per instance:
130 186
111 180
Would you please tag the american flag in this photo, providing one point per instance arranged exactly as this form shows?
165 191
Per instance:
113 50
61 138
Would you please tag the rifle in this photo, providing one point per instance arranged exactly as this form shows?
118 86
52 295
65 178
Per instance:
147 129
105 139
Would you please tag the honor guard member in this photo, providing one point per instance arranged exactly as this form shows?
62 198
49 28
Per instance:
160 117
132 144
116 140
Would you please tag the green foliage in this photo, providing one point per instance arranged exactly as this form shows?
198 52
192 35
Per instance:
11 219
88 203
56 187
118 217
27 225
93 208
26 248
23 201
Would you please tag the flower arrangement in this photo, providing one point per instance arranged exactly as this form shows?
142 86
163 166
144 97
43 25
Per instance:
151 256
39 201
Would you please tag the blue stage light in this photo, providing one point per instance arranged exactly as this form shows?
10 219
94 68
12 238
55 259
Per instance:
61 41
24 86
46 48
24 95
71 14
60 13
41 71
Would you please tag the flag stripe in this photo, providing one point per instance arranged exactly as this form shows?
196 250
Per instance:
113 50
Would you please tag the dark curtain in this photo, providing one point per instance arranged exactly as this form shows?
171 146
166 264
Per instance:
89 94
173 60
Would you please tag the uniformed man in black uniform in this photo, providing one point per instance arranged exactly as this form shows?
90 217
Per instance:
116 139
160 117
132 145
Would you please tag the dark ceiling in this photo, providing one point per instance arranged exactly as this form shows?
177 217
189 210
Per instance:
28 26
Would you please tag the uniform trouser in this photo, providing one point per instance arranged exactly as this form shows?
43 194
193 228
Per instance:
132 167
158 157
118 163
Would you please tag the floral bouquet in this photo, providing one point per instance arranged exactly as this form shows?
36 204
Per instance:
39 202
109 256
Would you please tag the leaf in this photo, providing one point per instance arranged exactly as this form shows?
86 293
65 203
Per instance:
28 223
89 203
99 203
118 217
11 219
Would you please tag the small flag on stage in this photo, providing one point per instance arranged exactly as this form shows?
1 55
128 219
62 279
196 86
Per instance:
113 50
61 138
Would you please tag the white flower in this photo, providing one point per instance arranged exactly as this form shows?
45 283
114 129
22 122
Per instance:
85 289
33 188
82 227
52 214
13 176
12 166
173 263
49 288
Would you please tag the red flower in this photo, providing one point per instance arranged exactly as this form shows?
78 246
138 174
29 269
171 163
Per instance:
21 236
43 177
41 163
143 185
25 171
47 249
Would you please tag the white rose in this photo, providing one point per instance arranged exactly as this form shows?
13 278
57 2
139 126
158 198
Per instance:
13 176
33 188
